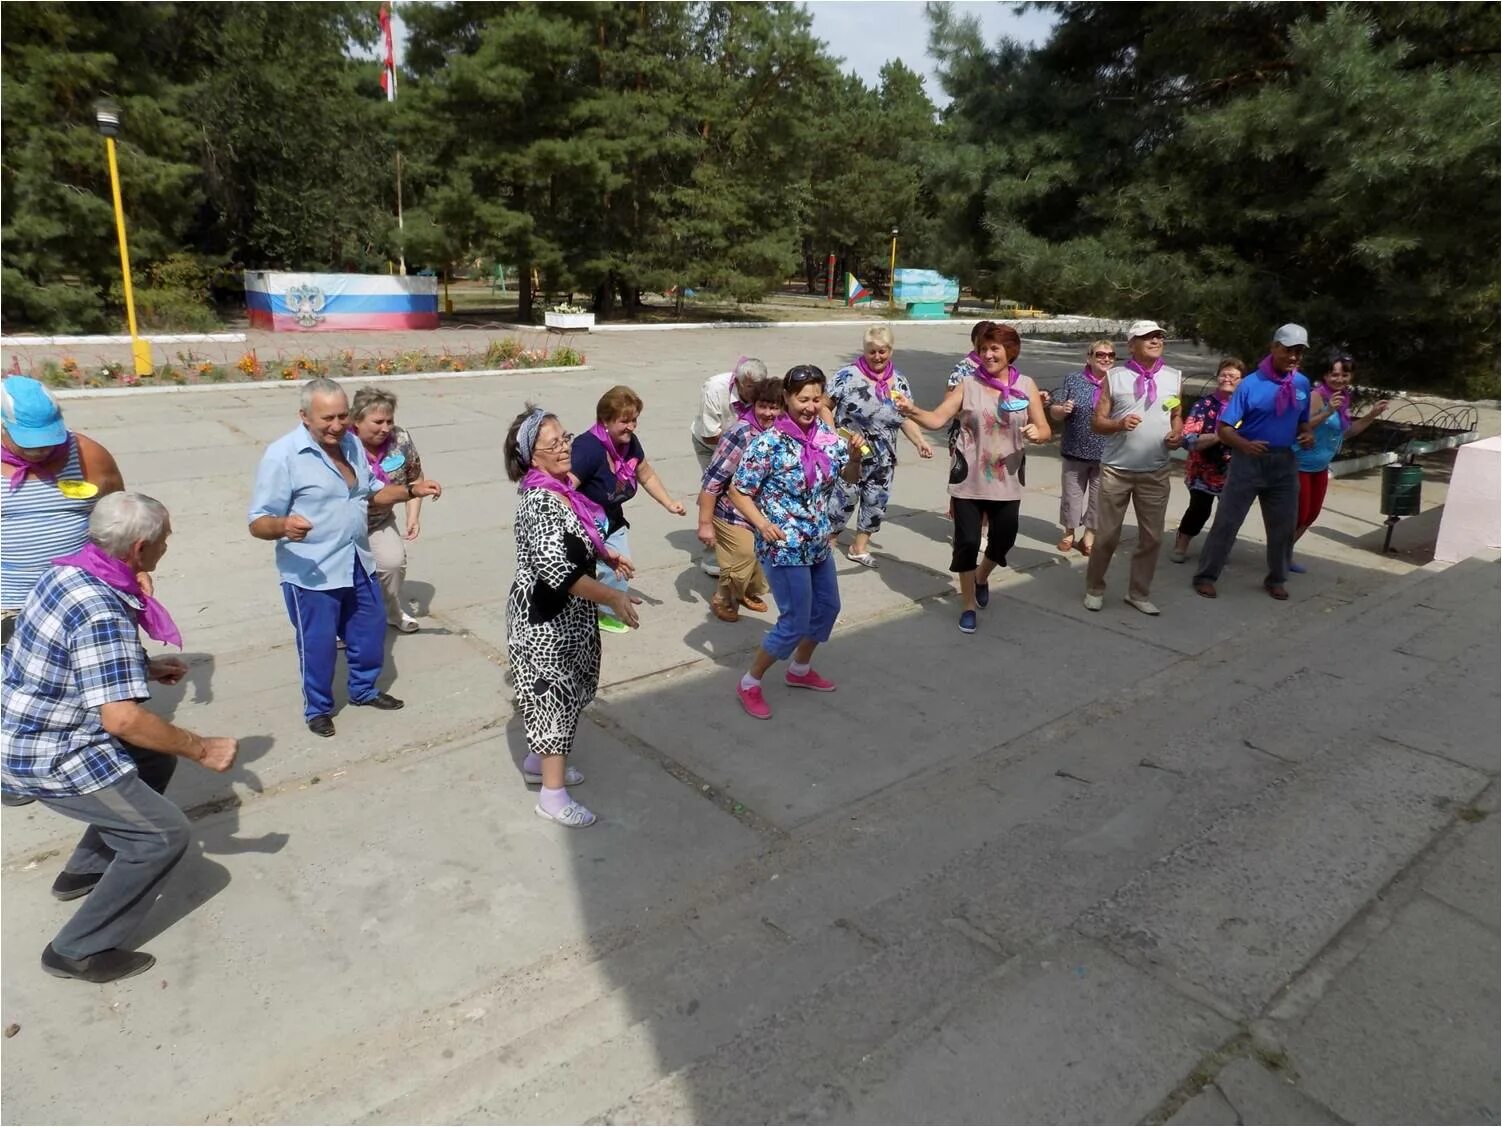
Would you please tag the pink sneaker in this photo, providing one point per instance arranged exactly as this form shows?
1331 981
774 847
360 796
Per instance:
810 680
753 702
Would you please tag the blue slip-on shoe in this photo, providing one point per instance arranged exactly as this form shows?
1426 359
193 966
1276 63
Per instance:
967 622
982 595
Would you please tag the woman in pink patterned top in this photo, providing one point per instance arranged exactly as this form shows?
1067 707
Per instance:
999 410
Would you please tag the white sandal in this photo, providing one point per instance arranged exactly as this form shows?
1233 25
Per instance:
865 559
572 777
574 816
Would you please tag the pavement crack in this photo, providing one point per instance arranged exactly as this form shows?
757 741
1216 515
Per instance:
1270 754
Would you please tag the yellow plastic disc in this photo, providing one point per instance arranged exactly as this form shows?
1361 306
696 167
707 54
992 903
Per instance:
77 490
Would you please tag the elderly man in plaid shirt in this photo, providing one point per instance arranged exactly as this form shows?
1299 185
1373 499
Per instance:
78 740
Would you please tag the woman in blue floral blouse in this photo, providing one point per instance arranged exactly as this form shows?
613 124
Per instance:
782 487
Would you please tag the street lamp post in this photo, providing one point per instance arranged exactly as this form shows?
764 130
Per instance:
892 274
107 116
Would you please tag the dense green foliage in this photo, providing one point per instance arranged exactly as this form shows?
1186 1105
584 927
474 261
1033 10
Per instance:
1221 166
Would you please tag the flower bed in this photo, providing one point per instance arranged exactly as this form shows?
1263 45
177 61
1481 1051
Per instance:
188 368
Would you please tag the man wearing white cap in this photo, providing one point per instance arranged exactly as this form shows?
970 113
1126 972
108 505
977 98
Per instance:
1267 414
1139 414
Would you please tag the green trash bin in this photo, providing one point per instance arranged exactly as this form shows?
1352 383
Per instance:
1401 486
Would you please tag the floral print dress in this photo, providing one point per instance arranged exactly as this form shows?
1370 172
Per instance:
771 474
990 438
1206 469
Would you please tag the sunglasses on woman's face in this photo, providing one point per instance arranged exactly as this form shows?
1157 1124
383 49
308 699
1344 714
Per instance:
1104 355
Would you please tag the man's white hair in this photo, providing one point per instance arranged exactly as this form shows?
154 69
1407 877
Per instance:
119 520
750 369
320 385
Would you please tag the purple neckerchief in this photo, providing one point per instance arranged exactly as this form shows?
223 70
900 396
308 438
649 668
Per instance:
375 459
1145 387
1008 389
154 618
585 509
1096 383
23 467
810 443
747 414
883 380
1286 396
623 467
1344 410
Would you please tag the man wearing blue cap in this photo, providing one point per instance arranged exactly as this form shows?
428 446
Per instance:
1268 413
52 477
311 496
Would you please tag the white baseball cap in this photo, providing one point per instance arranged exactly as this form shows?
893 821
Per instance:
1292 336
1144 328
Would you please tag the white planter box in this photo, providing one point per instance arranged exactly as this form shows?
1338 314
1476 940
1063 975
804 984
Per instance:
584 321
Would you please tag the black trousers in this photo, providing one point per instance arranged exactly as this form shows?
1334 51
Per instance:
1198 512
1001 519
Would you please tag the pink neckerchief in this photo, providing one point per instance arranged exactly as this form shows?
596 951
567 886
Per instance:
1096 383
1286 396
810 447
155 620
374 458
36 469
883 380
1008 389
1344 410
623 467
585 509
1145 387
747 414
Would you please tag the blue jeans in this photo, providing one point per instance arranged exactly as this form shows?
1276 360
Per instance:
808 602
620 543
1273 482
355 613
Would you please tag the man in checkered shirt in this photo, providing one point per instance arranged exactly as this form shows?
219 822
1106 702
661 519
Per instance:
78 740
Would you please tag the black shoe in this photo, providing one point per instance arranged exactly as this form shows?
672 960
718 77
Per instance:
384 701
106 966
16 800
70 886
321 725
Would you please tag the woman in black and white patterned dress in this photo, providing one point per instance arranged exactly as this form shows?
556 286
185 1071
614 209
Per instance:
551 625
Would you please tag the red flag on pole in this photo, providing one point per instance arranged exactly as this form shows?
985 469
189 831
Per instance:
388 67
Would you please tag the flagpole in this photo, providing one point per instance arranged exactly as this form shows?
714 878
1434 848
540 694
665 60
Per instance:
388 84
401 252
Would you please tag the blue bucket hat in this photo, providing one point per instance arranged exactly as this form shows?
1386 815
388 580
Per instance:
31 417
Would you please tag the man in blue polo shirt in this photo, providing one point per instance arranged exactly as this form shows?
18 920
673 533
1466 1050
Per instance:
311 495
1268 413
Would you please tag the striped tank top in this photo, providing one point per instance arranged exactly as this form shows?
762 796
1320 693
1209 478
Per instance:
37 523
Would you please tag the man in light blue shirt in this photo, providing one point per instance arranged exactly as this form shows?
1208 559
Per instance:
1267 414
311 495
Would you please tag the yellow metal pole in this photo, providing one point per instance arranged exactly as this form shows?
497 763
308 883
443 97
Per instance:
892 276
140 350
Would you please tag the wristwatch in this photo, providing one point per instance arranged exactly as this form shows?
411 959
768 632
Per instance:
410 494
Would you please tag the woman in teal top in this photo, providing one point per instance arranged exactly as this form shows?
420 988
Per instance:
1330 420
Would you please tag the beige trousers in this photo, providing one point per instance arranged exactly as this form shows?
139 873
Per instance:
390 552
1148 495
740 574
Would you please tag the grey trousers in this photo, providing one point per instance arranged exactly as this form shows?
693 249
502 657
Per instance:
1273 482
135 838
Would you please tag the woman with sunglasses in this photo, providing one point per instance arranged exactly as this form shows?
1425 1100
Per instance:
782 488
1330 420
1080 447
552 631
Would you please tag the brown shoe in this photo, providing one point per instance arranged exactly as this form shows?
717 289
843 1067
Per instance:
1206 588
759 606
724 613
1086 549
1277 591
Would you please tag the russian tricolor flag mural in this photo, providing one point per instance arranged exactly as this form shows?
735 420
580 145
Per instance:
330 303
855 293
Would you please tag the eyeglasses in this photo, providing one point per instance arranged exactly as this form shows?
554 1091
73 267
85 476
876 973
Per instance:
562 442
1104 355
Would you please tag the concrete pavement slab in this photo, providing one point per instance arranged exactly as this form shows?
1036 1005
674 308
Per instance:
1241 909
1259 1094
1085 1038
1409 1032
1466 877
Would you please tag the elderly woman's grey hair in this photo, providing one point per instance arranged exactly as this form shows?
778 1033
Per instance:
367 399
750 369
120 520
320 385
